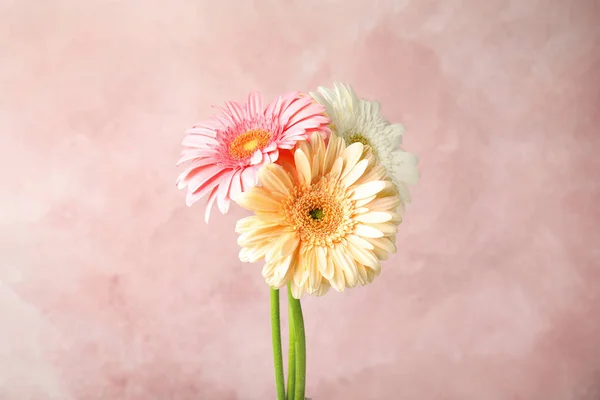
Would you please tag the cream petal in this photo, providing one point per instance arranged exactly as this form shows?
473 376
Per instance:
269 218
360 242
355 173
270 181
247 223
304 146
396 218
337 281
314 278
325 267
336 169
282 175
346 263
386 228
300 271
365 201
317 163
257 199
303 167
317 142
362 274
367 189
297 291
364 257
331 154
384 243
323 288
280 272
252 254
285 240
257 236
267 270
375 173
367 231
381 254
374 217
351 155
290 245
385 203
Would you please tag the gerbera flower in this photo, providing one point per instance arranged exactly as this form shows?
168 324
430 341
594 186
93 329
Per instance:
224 153
359 120
324 216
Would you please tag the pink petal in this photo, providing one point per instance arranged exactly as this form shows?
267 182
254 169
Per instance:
197 130
294 108
211 124
274 155
310 115
203 175
223 205
255 104
236 185
249 178
209 204
257 157
310 121
224 188
191 171
270 147
285 102
198 155
274 105
236 111
193 197
198 141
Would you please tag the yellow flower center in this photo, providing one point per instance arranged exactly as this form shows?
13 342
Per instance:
320 213
357 137
248 142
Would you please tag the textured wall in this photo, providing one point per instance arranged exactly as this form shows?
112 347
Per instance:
110 288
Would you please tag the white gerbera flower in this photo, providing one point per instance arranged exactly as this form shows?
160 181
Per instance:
360 120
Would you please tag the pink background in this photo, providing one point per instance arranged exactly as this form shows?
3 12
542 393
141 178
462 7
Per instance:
110 288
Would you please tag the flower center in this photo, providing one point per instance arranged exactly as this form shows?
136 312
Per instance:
316 213
247 143
357 137
319 213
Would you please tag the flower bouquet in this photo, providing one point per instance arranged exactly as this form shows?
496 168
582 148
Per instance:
326 179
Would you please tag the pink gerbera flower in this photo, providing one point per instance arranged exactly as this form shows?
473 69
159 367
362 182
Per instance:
225 153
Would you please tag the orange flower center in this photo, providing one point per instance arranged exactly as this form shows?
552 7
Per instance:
248 142
320 213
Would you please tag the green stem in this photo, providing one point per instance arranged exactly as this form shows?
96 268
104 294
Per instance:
291 356
276 338
300 346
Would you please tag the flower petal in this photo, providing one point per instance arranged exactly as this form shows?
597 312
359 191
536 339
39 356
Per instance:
303 167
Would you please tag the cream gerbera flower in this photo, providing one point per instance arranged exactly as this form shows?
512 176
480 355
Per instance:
324 216
359 120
